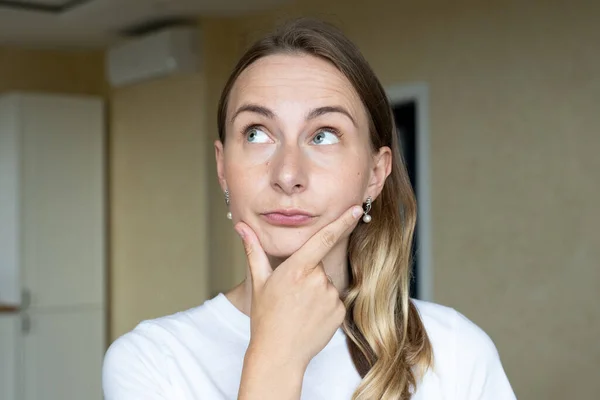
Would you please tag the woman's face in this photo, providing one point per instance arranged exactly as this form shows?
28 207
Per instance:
297 152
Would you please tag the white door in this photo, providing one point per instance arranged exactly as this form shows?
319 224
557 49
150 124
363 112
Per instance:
62 354
62 194
62 247
9 332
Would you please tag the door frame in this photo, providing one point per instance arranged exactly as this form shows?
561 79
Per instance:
418 92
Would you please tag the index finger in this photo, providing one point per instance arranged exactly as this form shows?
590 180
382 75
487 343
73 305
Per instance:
313 251
258 263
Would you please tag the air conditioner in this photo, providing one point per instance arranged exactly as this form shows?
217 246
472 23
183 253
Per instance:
163 53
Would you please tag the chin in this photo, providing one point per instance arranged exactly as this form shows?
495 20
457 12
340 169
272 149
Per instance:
283 242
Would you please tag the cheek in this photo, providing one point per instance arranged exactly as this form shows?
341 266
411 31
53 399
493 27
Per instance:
347 166
247 163
344 186
247 179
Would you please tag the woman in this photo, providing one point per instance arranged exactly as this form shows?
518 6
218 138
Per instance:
309 164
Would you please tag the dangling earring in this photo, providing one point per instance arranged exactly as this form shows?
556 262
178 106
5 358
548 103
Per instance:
367 218
229 216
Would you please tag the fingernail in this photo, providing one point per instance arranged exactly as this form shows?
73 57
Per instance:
357 212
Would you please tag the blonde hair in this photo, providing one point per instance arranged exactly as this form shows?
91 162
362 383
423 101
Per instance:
386 337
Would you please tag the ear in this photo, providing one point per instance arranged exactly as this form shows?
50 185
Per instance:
220 158
382 168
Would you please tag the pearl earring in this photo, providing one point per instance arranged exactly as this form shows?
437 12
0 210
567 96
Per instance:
229 216
367 218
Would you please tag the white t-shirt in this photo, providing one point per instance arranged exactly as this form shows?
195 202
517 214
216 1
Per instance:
198 355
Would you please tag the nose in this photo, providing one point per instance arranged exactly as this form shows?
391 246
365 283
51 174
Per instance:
288 170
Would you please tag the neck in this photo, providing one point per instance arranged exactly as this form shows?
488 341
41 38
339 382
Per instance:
335 265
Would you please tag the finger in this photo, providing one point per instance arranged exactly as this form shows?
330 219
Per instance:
260 268
317 247
321 267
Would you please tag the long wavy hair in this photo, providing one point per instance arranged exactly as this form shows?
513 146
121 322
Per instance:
386 337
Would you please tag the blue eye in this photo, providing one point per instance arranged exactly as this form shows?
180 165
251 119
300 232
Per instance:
256 135
325 137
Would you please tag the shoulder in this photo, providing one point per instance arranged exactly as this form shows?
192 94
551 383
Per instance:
135 363
465 357
154 333
448 329
160 333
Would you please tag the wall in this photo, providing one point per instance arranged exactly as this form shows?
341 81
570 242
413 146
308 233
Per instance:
171 247
222 45
78 72
515 93
159 205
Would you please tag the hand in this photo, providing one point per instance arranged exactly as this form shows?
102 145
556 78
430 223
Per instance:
295 309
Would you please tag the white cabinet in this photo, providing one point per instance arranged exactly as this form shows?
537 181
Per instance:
52 244
9 203
62 353
9 333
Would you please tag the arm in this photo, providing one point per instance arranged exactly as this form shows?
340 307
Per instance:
295 311
131 370
267 378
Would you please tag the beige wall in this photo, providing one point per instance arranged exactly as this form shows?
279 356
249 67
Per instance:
222 47
158 200
78 72
514 92
171 246
514 100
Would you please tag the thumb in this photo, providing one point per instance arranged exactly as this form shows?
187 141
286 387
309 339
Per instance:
260 267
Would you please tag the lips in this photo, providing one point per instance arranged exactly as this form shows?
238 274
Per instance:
289 217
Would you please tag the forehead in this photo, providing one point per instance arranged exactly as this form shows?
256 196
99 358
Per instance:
301 80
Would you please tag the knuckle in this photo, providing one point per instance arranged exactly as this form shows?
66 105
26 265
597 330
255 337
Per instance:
297 276
348 221
341 311
319 279
328 239
249 250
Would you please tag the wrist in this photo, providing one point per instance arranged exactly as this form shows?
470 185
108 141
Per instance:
257 356
267 376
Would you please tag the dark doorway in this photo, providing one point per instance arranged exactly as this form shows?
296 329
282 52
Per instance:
405 116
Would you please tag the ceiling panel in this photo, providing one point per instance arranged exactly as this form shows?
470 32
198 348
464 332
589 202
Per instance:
96 23
51 6
58 3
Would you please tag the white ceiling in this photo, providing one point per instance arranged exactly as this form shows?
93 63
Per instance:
98 22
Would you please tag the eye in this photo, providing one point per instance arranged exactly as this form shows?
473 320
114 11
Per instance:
255 134
326 136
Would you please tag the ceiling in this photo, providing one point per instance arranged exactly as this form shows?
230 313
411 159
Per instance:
94 23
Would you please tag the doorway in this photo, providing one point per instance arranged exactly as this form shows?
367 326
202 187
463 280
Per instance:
410 109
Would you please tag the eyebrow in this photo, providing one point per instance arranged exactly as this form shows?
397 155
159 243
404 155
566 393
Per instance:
317 112
254 108
314 113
